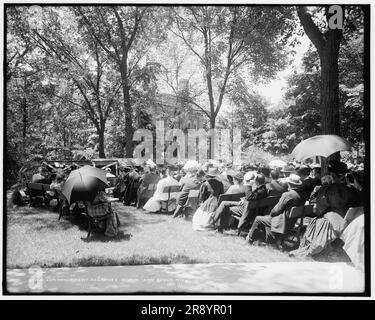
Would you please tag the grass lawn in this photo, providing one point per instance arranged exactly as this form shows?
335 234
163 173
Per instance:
35 237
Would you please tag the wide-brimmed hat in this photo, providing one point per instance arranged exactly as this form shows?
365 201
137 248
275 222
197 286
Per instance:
294 180
249 176
212 172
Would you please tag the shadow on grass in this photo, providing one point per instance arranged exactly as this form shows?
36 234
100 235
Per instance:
134 260
99 237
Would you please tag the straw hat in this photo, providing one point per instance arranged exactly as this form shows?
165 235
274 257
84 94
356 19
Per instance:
212 172
294 180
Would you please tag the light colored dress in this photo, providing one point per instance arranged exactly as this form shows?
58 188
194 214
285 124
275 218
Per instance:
354 240
153 204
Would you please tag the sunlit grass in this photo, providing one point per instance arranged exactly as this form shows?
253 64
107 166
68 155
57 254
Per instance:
35 237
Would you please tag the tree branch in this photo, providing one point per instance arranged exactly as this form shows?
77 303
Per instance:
311 29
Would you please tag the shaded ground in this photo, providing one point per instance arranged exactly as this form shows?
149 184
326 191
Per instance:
35 237
246 278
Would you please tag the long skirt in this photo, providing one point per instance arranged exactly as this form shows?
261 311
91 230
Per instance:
320 233
354 241
204 216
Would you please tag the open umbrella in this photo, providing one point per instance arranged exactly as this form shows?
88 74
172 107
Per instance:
277 163
84 183
321 145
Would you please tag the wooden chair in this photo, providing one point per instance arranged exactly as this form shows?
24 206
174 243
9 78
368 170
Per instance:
230 197
37 191
165 204
298 213
261 207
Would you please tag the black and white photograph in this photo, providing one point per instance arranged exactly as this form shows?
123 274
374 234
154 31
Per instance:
181 149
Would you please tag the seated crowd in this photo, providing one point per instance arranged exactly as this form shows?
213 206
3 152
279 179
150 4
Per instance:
295 185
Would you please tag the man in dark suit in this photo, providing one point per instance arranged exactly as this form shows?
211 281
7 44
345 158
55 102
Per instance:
277 221
239 207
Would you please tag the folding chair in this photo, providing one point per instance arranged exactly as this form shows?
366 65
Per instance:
166 204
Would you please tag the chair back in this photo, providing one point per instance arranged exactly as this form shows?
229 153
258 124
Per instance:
230 197
296 212
265 204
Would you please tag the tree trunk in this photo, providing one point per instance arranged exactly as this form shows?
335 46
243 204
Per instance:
127 111
24 118
101 142
330 87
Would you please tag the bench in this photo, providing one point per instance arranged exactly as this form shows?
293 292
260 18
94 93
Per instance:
166 204
37 191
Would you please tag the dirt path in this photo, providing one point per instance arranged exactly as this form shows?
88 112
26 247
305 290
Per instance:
277 277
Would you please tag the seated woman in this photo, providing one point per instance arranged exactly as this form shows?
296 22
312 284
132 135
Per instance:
149 177
210 192
100 207
154 203
353 236
332 203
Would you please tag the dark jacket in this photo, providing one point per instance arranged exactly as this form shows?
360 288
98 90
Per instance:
259 193
280 223
337 197
212 187
307 187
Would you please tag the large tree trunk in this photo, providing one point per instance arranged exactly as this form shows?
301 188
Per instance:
330 86
127 111
327 45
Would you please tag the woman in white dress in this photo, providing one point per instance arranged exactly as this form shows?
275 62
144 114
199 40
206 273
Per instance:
154 203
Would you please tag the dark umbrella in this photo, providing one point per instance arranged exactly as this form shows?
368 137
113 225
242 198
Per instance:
84 183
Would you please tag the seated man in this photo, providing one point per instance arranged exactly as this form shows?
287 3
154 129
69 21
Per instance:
149 177
277 222
154 203
274 187
260 192
309 181
223 212
189 183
